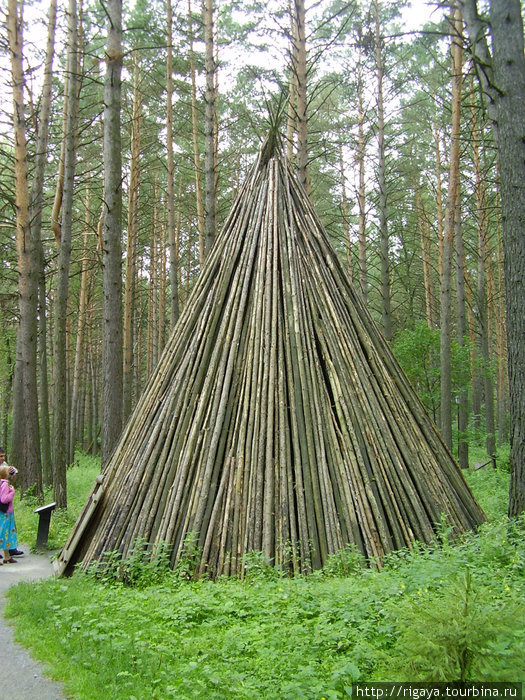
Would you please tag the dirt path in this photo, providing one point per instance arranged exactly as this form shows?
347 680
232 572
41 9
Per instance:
25 679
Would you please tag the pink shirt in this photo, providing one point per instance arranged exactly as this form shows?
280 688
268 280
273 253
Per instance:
7 493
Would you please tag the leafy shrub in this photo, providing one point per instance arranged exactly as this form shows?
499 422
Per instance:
417 351
257 567
345 562
189 559
146 565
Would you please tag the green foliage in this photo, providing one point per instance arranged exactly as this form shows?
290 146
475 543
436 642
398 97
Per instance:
346 562
462 633
80 478
258 568
491 489
441 612
144 566
188 562
417 351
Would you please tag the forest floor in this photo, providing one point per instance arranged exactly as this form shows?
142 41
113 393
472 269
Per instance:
25 679
144 631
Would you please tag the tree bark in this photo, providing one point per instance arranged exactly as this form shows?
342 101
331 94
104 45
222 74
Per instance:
501 347
131 251
170 202
453 189
292 86
7 389
112 237
162 288
361 192
37 189
302 96
439 198
482 295
28 450
196 150
502 77
346 217
424 235
209 128
152 330
462 399
60 425
80 360
509 76
462 333
386 312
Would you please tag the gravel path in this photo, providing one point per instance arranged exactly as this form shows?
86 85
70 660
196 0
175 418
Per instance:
25 679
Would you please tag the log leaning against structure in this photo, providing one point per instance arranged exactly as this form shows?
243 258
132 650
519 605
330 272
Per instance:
278 419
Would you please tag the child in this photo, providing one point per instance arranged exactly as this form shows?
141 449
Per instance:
8 537
14 551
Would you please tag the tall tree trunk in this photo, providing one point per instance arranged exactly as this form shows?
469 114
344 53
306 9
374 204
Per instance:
361 192
484 333
462 399
483 262
94 377
174 263
462 331
386 313
137 325
37 189
131 251
292 85
112 237
79 364
92 429
346 217
47 453
7 392
26 452
196 149
162 289
59 187
424 236
453 189
509 75
476 382
152 295
502 77
60 432
501 348
209 128
439 198
177 235
188 260
302 96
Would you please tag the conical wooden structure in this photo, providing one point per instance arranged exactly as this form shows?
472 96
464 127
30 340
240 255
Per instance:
278 419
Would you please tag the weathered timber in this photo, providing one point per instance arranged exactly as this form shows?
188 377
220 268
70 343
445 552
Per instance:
278 419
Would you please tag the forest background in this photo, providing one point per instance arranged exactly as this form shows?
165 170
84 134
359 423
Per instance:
390 136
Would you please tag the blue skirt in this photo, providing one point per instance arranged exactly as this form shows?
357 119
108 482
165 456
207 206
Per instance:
8 538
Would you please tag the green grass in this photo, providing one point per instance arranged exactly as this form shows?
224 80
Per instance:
431 614
80 479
